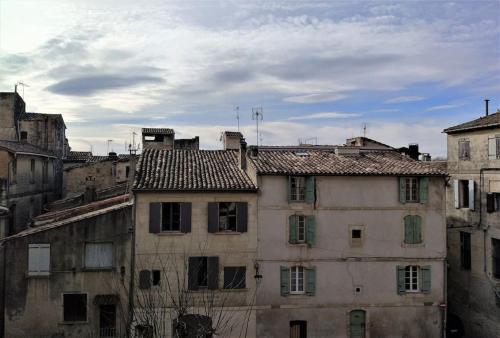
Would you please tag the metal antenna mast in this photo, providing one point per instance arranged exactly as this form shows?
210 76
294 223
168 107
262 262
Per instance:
107 145
364 129
238 116
20 83
257 115
132 146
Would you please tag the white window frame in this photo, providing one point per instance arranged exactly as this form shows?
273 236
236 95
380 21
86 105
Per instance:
98 267
298 192
36 249
297 274
300 224
412 278
411 189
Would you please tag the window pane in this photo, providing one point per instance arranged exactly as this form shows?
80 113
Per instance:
227 216
171 217
301 228
234 277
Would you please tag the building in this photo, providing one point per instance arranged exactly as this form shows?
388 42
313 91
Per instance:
164 138
473 220
351 242
71 275
195 242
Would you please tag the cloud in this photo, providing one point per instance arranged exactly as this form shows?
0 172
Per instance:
86 85
403 99
316 97
443 107
325 115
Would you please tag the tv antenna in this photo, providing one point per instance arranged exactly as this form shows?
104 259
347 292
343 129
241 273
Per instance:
20 83
132 147
238 116
364 129
108 142
257 115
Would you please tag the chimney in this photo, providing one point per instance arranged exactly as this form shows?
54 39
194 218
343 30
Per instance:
231 140
486 106
90 194
243 154
413 151
113 155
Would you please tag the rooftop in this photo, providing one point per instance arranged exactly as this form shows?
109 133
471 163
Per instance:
30 116
233 133
191 170
158 131
490 121
24 148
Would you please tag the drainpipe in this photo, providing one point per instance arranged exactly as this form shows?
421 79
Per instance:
132 270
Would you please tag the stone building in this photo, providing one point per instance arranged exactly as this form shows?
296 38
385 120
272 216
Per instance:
473 220
351 242
164 138
71 275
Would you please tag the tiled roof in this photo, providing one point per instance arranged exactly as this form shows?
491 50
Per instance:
191 170
324 162
490 121
23 147
78 155
162 131
233 133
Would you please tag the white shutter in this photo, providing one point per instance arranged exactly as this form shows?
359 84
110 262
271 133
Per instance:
456 194
492 148
99 255
471 195
38 259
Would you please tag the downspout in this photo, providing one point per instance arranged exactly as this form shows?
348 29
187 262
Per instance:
132 271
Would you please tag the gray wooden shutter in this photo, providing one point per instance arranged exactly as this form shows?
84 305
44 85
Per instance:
154 218
417 229
425 279
193 268
490 203
311 281
213 272
310 189
185 217
456 194
402 190
284 280
408 229
310 230
472 200
492 148
242 214
423 189
144 279
213 217
400 279
292 229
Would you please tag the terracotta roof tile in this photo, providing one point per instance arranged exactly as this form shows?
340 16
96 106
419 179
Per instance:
490 121
162 131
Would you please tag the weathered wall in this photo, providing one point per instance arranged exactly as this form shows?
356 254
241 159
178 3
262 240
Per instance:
11 106
104 173
46 132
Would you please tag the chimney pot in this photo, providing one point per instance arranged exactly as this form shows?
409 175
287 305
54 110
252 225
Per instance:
486 106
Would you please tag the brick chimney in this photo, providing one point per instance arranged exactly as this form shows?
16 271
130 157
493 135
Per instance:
231 140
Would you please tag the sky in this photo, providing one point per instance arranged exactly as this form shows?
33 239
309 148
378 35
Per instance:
320 70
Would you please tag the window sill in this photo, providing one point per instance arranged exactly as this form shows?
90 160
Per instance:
111 268
235 290
44 276
83 322
298 245
227 233
410 245
171 233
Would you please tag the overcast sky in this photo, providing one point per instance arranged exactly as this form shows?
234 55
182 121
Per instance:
407 69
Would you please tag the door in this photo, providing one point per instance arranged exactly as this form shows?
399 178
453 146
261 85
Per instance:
357 324
107 320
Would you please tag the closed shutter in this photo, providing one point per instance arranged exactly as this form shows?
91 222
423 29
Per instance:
284 280
490 203
213 273
38 259
417 229
423 189
310 189
311 281
213 217
98 255
185 217
408 229
471 195
144 279
456 194
425 279
402 190
400 279
242 216
193 268
154 218
310 230
492 148
292 226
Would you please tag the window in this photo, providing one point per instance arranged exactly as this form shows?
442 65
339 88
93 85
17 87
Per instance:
13 175
234 277
464 194
411 189
413 278
32 171
298 329
156 277
38 259
464 150
465 250
492 202
24 135
297 188
495 246
171 217
297 280
227 216
99 255
127 171
301 229
75 307
413 229
494 147
203 272
148 278
356 235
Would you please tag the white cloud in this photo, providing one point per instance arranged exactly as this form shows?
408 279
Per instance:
313 98
325 115
403 99
443 107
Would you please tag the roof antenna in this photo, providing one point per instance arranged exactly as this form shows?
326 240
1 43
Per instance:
364 129
107 145
20 83
257 115
238 116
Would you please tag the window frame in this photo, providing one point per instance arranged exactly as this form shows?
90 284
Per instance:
298 226
413 275
495 261
466 150
297 270
39 272
412 186
163 225
297 188
239 286
353 241
229 215
86 308
85 264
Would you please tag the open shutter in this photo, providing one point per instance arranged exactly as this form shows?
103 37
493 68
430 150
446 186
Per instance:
417 229
310 230
193 268
425 279
242 214
402 190
408 229
213 273
285 280
423 189
154 218
400 279
292 226
456 194
213 217
185 217
310 187
492 148
144 279
490 203
311 281
472 200
289 189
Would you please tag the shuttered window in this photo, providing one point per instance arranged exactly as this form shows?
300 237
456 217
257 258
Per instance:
413 278
169 217
464 150
413 189
234 277
464 194
99 255
298 280
38 259
301 189
203 272
302 229
227 217
413 229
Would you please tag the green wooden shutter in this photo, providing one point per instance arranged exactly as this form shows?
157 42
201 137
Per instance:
310 230
292 232
310 187
424 189
400 279
311 281
285 280
425 279
408 229
417 229
402 190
